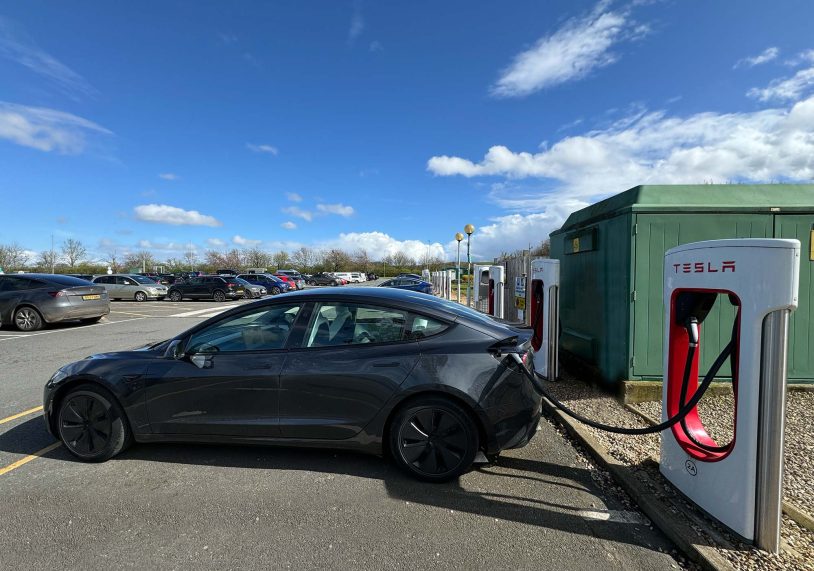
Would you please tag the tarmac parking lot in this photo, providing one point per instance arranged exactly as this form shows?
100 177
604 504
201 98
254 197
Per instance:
215 507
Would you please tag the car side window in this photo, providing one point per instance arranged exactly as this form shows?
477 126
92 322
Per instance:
265 329
422 326
340 324
14 284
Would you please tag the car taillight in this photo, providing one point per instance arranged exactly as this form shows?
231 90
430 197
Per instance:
57 293
231 284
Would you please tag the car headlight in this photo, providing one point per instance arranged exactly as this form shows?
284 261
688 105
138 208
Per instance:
58 376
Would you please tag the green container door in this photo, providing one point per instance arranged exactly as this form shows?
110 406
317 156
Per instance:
801 339
657 233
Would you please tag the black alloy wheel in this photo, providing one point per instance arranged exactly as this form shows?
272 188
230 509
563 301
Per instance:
275 290
27 319
175 296
91 424
219 296
434 439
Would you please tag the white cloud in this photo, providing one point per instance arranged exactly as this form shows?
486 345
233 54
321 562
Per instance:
267 149
168 247
169 176
289 225
786 89
379 245
293 197
18 46
572 52
376 46
46 129
357 23
299 212
215 243
165 214
241 241
765 56
338 209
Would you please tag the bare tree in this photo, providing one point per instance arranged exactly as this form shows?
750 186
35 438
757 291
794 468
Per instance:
74 251
47 260
361 259
256 258
402 262
142 260
12 256
280 259
336 260
191 259
543 250
112 260
303 259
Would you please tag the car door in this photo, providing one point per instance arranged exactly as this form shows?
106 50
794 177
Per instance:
350 361
227 382
194 288
125 287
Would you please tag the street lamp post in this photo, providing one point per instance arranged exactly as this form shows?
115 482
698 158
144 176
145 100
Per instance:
458 238
469 229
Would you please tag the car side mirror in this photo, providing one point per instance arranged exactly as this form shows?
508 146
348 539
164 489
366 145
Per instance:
175 350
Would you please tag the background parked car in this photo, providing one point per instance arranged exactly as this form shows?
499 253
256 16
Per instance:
273 284
226 272
29 301
86 277
131 286
251 291
219 288
371 277
290 280
324 279
299 281
408 283
412 276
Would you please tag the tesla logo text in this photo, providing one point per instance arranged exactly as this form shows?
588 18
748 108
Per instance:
704 267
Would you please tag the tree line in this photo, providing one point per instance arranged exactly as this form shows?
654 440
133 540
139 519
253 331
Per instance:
72 257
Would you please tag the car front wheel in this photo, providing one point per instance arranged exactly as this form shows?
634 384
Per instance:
27 319
275 291
92 424
141 296
175 296
433 439
219 296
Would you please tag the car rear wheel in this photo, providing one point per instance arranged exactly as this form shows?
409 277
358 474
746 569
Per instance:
175 296
334 284
311 283
140 296
27 319
92 424
433 439
275 291
219 296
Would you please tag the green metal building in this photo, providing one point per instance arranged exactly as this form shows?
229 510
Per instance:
611 262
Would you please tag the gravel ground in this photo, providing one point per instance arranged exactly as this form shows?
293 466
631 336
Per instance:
798 552
799 461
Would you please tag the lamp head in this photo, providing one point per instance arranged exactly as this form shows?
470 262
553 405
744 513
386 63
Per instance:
469 229
459 236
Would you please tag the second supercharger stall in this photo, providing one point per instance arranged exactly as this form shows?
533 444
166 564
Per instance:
544 310
497 286
739 483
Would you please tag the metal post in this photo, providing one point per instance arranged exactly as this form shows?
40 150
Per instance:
458 271
468 272
773 367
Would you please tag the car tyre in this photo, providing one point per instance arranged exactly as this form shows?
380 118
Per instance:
140 296
175 296
433 439
334 284
219 296
275 291
92 424
28 319
90 320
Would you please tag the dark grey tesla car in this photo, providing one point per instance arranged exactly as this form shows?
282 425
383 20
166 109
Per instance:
377 370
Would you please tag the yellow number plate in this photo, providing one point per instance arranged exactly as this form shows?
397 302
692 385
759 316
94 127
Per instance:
91 297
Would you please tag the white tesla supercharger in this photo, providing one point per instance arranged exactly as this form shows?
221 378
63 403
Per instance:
496 291
480 287
545 311
738 483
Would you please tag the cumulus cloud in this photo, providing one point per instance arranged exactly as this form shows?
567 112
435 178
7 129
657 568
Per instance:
289 225
267 149
166 247
579 47
293 197
16 45
788 88
169 176
239 240
379 245
215 243
165 214
46 129
338 209
299 212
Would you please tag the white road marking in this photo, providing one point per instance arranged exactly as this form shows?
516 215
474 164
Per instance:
71 329
201 311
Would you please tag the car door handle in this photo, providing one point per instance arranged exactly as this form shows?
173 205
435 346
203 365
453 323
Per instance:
392 364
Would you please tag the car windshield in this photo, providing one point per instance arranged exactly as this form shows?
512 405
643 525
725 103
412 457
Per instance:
241 281
143 280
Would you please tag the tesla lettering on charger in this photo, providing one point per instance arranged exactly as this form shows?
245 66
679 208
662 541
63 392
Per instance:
748 288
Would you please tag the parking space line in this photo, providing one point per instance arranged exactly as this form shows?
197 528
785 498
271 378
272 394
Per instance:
29 458
26 336
131 313
200 311
21 414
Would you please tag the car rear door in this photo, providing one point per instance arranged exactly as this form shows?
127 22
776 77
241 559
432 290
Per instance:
350 361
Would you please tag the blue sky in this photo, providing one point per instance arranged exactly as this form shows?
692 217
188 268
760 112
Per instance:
209 125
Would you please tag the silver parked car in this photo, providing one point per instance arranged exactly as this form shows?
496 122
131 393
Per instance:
252 291
29 301
131 286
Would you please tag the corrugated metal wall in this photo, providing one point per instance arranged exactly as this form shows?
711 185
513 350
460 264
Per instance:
516 265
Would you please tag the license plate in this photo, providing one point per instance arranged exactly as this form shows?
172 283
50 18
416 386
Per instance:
91 297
